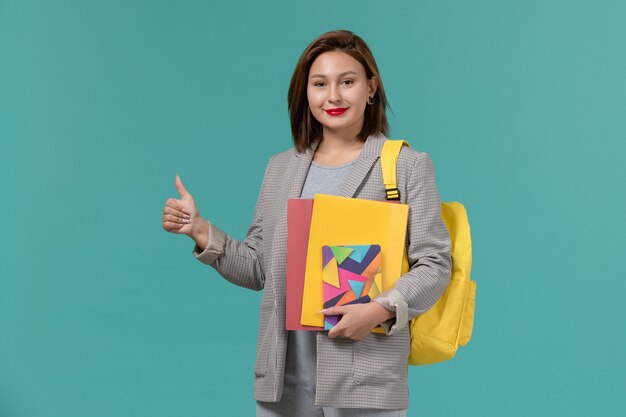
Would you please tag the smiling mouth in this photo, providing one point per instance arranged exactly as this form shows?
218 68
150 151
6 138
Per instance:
336 112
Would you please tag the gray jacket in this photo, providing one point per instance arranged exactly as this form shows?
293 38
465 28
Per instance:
371 372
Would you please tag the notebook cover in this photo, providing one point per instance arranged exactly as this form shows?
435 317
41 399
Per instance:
351 274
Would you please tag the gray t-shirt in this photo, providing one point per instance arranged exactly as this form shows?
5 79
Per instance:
301 362
325 180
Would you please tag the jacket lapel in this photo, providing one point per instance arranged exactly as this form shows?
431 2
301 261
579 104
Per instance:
363 165
303 162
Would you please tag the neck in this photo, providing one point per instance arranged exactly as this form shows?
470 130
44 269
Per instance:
339 141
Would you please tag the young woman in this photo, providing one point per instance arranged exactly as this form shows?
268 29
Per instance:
337 109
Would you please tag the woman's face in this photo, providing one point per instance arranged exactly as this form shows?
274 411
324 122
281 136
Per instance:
338 90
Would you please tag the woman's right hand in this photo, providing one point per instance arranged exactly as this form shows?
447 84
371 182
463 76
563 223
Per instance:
181 216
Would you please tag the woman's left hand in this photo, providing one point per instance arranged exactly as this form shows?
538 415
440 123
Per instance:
358 319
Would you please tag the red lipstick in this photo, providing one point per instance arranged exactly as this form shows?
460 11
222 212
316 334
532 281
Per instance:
336 112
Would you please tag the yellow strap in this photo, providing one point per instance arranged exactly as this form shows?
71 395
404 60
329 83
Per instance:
388 158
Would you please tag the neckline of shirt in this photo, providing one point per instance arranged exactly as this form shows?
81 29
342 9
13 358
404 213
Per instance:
331 167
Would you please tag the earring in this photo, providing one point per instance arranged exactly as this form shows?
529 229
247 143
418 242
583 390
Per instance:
370 100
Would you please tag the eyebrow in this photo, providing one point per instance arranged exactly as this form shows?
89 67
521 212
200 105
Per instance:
340 75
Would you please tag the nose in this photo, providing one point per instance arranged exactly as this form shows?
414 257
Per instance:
334 94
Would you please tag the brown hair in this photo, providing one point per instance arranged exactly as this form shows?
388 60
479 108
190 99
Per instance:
305 129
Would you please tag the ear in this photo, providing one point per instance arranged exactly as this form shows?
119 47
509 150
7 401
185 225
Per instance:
373 85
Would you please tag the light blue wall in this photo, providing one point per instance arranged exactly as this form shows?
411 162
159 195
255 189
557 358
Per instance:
521 106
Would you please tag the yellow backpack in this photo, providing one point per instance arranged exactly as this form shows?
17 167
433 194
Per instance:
437 333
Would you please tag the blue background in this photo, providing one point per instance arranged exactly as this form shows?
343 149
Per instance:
521 106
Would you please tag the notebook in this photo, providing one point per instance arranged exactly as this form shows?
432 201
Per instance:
350 274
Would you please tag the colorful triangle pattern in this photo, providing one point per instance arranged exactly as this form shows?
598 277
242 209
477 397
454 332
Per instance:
351 274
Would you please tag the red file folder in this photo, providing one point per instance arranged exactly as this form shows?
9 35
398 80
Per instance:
299 211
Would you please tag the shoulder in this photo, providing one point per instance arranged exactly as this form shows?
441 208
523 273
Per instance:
411 159
281 160
283 157
277 164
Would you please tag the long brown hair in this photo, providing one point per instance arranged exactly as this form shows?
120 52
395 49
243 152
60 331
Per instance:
305 129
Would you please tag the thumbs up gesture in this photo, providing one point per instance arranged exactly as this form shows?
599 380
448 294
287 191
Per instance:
181 215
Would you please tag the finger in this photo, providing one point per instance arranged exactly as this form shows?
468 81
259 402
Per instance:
175 219
176 205
180 187
336 331
332 333
175 212
170 227
333 311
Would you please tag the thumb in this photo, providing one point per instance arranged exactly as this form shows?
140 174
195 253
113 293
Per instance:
180 187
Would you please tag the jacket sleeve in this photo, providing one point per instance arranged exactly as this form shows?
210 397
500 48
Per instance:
428 250
240 262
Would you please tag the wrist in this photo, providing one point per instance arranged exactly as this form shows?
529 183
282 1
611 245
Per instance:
200 232
380 313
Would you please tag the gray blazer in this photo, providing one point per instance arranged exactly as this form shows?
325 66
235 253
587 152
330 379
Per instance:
371 372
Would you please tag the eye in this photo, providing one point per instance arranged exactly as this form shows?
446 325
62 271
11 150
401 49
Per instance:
348 82
318 84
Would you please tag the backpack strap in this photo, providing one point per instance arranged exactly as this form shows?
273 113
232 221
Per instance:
388 158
